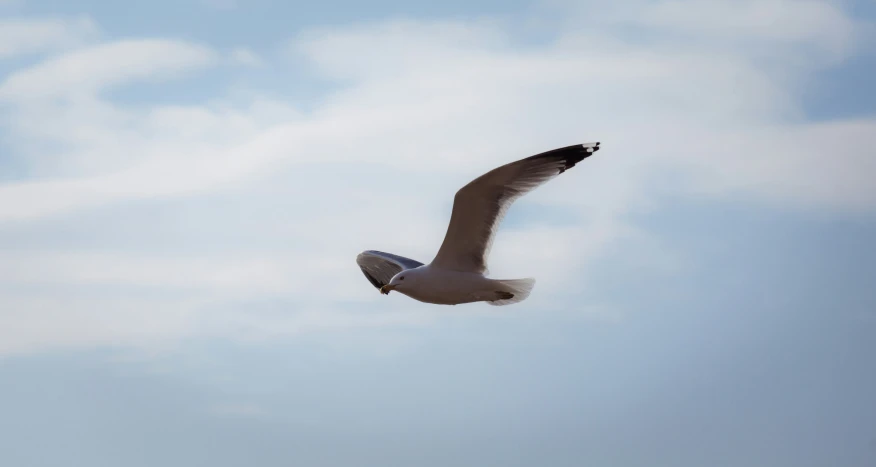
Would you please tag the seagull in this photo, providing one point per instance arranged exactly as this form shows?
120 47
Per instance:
458 273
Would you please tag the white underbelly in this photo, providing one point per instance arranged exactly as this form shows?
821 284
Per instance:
454 291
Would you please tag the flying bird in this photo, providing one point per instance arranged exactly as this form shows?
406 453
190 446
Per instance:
458 272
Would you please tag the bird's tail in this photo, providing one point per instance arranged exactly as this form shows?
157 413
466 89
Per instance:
512 291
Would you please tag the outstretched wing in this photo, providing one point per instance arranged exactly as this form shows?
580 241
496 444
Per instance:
479 207
379 267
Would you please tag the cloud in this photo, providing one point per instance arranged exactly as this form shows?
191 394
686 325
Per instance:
246 57
819 27
20 36
808 22
208 209
820 165
97 68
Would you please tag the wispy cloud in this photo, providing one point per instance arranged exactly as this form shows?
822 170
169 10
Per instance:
808 23
88 70
245 56
226 201
20 36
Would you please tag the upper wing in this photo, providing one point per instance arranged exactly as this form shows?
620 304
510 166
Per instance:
379 267
479 207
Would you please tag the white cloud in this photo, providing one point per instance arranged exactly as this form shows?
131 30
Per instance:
822 165
246 57
291 196
818 26
19 36
93 69
810 22
34 322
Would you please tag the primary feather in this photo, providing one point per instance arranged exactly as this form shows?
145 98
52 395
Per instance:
480 206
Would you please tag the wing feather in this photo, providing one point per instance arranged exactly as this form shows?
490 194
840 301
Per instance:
379 267
480 206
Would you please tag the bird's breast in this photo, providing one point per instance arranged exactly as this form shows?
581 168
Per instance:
448 288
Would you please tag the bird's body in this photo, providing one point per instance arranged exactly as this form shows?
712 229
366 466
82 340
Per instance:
457 274
431 284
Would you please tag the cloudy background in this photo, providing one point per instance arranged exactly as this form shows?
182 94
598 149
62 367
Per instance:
184 188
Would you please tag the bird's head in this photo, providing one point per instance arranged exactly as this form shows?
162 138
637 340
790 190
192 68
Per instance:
399 282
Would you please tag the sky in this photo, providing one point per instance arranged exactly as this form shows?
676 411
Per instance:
184 187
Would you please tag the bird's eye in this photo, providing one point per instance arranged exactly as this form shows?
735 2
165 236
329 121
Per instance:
401 278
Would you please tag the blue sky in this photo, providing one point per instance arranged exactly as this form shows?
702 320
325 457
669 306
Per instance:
185 186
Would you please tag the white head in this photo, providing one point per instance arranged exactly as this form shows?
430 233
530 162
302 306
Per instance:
401 281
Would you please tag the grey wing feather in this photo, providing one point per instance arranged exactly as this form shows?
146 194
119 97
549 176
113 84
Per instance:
379 267
480 206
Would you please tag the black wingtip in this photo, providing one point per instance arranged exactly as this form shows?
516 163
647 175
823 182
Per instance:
571 155
589 148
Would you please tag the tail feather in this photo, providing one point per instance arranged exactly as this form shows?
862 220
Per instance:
519 290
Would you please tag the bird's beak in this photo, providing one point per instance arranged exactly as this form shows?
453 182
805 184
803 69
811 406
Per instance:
386 289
